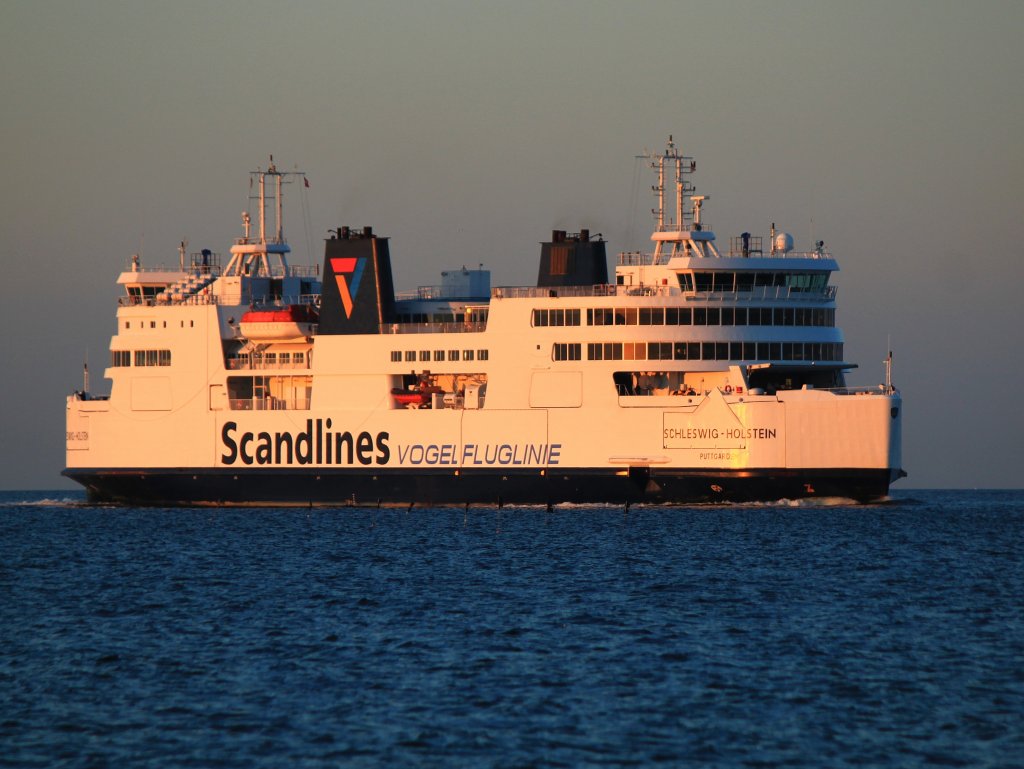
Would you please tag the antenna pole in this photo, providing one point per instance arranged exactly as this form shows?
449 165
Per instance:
888 367
280 211
661 194
263 209
679 183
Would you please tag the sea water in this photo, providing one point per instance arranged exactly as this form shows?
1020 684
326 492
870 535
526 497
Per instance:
787 634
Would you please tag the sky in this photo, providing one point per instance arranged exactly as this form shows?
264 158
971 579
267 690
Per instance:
467 131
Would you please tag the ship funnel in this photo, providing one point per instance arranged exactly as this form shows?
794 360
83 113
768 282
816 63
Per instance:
572 260
358 293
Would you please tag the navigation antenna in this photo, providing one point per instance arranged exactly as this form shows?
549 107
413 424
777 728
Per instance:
678 231
263 253
682 166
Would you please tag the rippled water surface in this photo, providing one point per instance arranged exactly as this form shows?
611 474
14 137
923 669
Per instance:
739 636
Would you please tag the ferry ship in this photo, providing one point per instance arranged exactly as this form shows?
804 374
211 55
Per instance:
694 373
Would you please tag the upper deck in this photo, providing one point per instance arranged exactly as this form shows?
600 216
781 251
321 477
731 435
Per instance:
717 294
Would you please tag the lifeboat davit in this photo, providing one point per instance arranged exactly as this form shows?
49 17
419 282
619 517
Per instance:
279 324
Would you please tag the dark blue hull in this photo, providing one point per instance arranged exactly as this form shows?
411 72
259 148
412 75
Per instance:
342 487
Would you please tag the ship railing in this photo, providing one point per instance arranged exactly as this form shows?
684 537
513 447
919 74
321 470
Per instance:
195 266
635 259
601 289
453 327
161 300
862 390
644 259
823 254
291 271
304 271
737 252
176 267
760 293
270 241
765 293
755 248
687 226
245 364
283 301
201 298
435 293
204 264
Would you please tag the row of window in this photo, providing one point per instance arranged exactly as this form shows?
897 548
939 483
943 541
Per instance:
689 316
152 324
284 358
424 356
268 358
123 358
552 317
748 281
735 351
475 315
269 393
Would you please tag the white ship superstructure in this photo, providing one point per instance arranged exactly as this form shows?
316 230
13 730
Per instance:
696 373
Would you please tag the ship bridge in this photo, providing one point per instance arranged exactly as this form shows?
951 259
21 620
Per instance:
686 254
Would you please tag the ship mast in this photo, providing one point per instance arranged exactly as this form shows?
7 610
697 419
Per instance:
263 256
684 231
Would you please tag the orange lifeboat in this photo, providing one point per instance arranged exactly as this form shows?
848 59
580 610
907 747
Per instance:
419 397
414 399
279 324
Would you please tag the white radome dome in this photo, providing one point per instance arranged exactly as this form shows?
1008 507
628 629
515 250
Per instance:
784 242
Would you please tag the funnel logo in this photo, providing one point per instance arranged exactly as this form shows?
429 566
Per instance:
348 272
